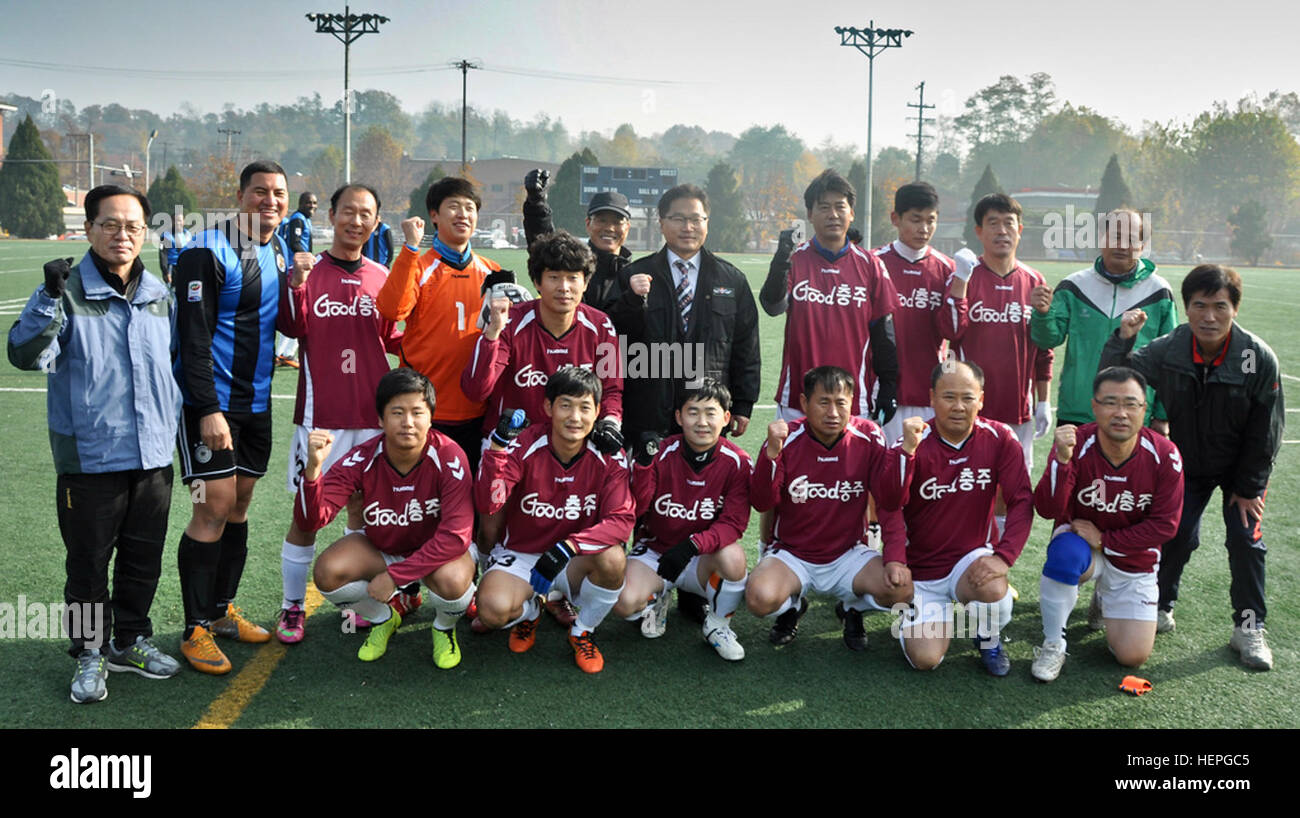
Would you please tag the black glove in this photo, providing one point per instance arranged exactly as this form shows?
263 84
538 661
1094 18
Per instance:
886 402
607 436
548 567
785 243
673 561
649 448
497 277
56 276
509 425
535 183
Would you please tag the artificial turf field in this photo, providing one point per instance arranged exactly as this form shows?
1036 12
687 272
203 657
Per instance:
673 682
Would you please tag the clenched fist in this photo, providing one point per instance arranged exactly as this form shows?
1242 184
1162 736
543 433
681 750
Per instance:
913 428
1065 440
1040 298
319 444
498 319
1131 322
777 432
413 230
640 284
302 264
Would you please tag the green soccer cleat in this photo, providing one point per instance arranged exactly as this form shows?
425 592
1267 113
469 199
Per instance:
446 651
376 644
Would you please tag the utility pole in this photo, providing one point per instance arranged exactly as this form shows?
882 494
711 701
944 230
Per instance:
347 28
464 66
920 118
870 41
230 133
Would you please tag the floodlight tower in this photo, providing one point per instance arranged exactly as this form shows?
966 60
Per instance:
870 41
347 28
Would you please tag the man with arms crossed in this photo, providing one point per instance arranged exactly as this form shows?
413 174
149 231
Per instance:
1114 491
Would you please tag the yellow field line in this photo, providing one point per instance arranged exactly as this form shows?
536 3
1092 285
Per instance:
229 706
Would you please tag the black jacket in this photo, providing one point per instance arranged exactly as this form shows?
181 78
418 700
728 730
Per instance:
602 289
724 321
1228 422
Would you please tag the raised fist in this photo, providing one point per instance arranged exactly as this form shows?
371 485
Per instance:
966 263
499 317
302 264
56 276
640 284
777 432
535 183
1040 298
319 443
1131 323
413 230
913 428
1065 441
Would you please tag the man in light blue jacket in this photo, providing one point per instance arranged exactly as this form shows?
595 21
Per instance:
102 332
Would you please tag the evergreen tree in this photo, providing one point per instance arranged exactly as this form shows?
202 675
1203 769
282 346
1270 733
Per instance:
726 211
987 184
563 192
418 195
1114 190
169 193
31 199
1250 238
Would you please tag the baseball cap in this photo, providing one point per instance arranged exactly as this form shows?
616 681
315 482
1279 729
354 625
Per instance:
609 200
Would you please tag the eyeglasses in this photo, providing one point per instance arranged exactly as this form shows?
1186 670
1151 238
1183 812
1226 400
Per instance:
682 221
112 228
1128 404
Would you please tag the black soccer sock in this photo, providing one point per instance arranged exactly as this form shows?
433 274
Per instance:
197 562
230 567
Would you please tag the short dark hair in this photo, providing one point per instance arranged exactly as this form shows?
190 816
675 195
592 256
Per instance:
305 198
260 166
1118 374
916 196
99 194
831 379
1209 279
682 192
998 203
561 251
403 381
709 389
828 181
447 187
951 365
573 381
338 194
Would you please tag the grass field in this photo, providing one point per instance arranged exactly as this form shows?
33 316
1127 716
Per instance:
676 681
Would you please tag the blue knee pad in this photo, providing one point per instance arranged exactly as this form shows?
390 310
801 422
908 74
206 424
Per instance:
1068 556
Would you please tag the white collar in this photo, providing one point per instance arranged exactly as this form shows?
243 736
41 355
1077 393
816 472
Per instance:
908 253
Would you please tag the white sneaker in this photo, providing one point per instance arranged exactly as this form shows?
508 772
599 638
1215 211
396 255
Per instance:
723 638
1165 621
654 622
1254 650
1048 661
1096 621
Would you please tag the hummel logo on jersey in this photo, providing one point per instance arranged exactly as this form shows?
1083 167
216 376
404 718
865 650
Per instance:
1003 287
456 469
356 281
912 273
557 352
695 482
353 459
574 507
568 479
1114 478
403 488
831 270
958 461
828 459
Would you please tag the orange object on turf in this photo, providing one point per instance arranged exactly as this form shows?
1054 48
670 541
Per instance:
1135 685
586 654
201 651
234 626
524 635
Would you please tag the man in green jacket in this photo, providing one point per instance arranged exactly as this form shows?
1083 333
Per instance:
1087 307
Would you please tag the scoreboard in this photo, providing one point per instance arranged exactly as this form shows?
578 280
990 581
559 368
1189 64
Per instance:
641 186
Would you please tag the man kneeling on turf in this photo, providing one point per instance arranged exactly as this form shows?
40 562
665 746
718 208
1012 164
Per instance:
817 472
419 513
1115 490
568 512
692 499
940 539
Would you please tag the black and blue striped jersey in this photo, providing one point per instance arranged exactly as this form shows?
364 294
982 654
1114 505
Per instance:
296 232
228 291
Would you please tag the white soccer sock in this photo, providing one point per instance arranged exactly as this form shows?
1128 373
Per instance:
993 615
531 611
714 622
295 563
354 596
447 611
596 602
1055 601
789 603
728 596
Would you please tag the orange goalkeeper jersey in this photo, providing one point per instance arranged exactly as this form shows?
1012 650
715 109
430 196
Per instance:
440 306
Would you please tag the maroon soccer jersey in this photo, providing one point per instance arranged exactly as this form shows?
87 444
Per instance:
990 326
425 515
675 501
920 283
949 510
343 341
588 502
829 309
1136 505
511 372
820 493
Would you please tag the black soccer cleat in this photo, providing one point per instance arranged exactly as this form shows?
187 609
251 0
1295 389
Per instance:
786 627
855 634
691 606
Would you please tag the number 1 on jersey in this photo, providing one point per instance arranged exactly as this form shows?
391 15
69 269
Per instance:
460 315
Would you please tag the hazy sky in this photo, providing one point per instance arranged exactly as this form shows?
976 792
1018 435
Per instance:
720 64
